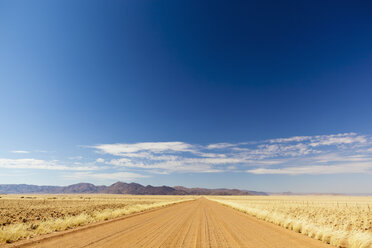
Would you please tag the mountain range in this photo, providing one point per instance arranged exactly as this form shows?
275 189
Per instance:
119 188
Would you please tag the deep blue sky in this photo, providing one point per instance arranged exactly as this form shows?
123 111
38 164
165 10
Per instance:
81 73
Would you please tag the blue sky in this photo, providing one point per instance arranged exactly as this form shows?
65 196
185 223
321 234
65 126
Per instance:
260 95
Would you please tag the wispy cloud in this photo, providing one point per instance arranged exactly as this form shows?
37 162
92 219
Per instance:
121 176
20 151
31 163
166 166
100 160
76 158
220 145
317 169
155 147
319 140
321 154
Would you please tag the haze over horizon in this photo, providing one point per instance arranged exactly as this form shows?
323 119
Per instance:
267 96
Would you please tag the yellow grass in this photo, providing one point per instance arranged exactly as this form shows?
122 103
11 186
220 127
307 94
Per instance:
336 220
31 215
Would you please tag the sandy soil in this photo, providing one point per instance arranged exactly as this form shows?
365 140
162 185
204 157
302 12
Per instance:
199 223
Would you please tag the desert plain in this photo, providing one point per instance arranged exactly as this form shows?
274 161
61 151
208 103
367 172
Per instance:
97 220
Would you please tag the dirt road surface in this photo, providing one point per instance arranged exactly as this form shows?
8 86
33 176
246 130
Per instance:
200 223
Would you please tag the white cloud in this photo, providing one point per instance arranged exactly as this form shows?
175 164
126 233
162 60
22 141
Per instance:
335 157
293 155
120 176
298 155
155 147
76 158
100 160
324 140
320 154
20 151
220 145
166 166
317 169
121 162
291 139
30 163
337 139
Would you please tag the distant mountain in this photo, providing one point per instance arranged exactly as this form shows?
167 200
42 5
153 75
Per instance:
118 188
203 191
24 188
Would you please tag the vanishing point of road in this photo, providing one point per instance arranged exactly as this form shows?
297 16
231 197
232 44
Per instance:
200 223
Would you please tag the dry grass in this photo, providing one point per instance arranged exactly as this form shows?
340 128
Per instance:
30 215
337 220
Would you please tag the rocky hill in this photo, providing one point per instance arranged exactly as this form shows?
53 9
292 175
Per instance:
118 188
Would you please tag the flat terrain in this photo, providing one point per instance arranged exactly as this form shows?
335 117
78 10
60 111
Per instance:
199 223
25 216
342 221
36 208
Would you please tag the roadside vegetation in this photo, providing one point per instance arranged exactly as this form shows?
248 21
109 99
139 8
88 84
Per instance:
25 216
336 220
